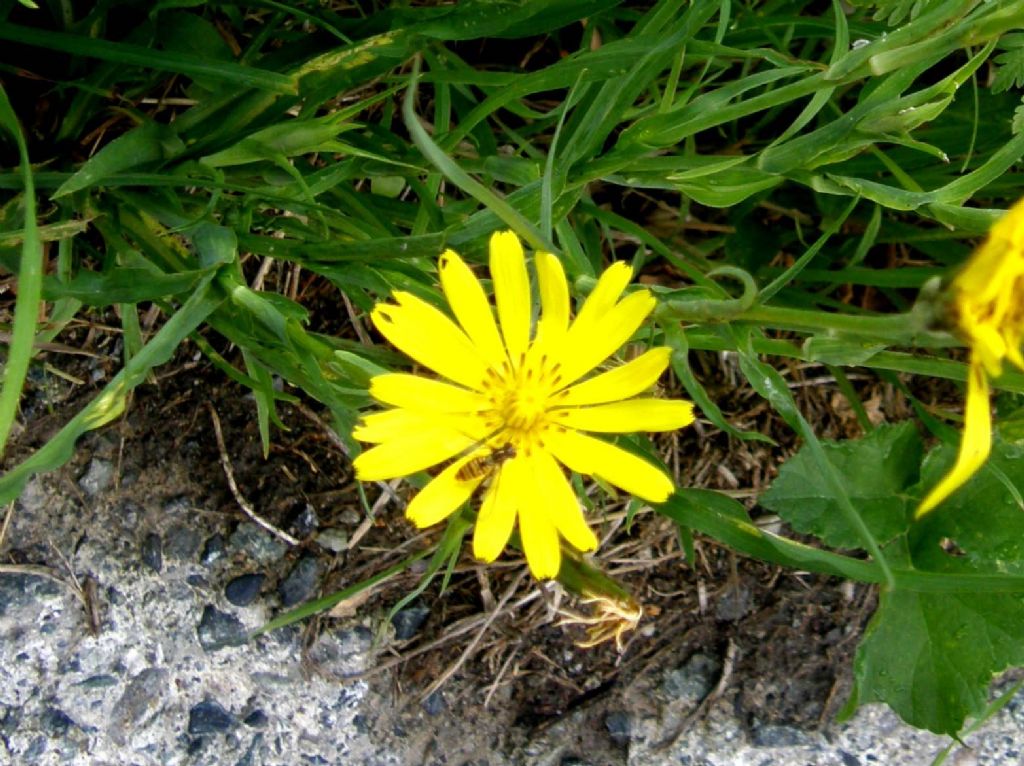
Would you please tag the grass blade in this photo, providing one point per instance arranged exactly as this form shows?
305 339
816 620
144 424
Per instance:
30 285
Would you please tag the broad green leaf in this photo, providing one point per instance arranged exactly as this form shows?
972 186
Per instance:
876 472
984 519
931 656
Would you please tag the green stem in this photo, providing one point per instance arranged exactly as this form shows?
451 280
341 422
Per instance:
897 361
905 329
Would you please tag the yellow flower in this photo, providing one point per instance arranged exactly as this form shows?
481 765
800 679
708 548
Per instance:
515 403
988 301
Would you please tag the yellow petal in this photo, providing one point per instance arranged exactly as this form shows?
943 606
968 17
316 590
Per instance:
988 347
416 392
628 416
401 423
587 455
554 298
497 515
606 292
975 444
411 453
620 383
511 291
441 497
432 339
587 345
470 305
536 528
561 503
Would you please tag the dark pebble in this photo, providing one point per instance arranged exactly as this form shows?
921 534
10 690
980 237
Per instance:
249 757
218 629
257 719
98 681
10 720
435 704
197 581
301 583
619 727
245 589
213 550
408 621
849 759
18 590
305 522
56 721
182 542
153 552
209 717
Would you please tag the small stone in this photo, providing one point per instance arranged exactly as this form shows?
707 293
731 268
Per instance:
343 653
34 750
209 717
849 759
408 621
305 522
182 542
153 552
257 719
435 704
129 513
619 726
21 590
734 604
218 629
141 698
56 721
258 544
774 735
301 582
179 506
213 550
98 476
693 680
249 757
333 539
98 681
244 589
350 517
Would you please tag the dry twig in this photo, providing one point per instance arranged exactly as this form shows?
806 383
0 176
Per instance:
247 509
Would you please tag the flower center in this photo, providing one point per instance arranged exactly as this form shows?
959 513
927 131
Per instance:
520 398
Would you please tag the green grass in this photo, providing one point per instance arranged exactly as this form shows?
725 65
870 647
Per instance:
806 152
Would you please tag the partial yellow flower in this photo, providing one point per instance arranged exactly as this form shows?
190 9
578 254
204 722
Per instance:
988 301
515 401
